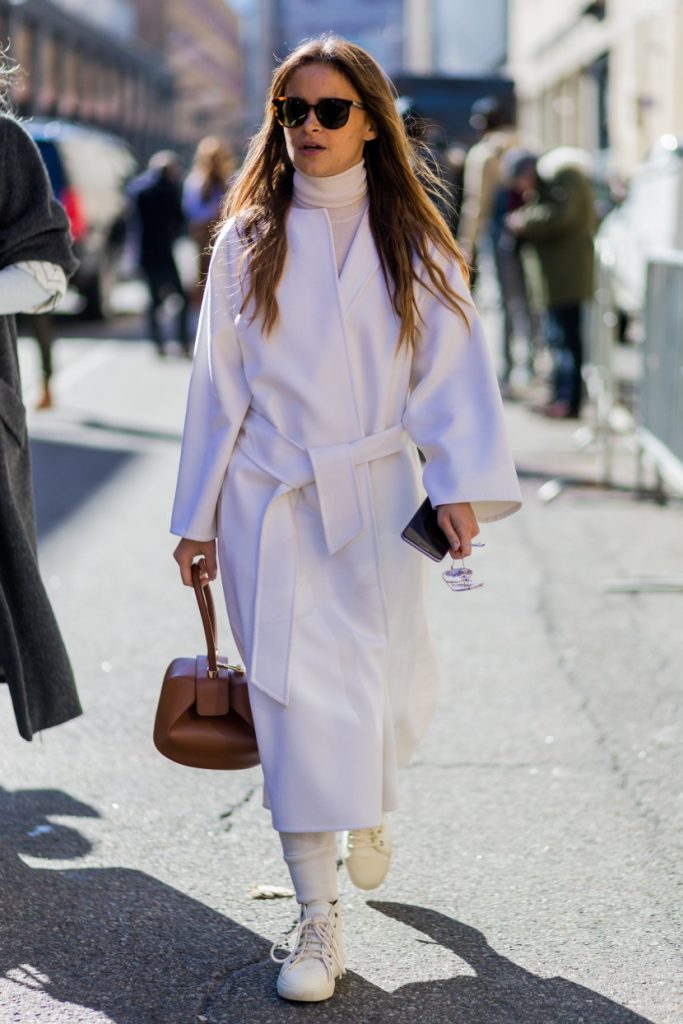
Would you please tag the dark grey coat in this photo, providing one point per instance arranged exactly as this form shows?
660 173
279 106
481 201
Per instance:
33 660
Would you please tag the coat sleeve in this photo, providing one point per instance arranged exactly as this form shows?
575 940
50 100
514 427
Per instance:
454 412
33 225
217 403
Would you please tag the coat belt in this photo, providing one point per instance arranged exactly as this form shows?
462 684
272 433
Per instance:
332 468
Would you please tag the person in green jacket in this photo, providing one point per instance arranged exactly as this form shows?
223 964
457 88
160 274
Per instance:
559 221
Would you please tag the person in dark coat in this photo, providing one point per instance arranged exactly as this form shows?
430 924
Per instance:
560 223
35 263
520 320
157 221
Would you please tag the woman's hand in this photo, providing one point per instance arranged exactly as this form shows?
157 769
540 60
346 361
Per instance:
459 523
185 553
515 222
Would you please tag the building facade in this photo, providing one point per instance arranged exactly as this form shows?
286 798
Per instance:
73 68
377 25
258 46
418 37
200 44
604 75
454 37
116 17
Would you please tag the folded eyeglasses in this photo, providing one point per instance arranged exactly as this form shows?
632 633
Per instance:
460 578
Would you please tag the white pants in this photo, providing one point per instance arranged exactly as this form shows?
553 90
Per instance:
312 861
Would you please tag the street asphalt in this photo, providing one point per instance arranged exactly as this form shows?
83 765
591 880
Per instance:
537 870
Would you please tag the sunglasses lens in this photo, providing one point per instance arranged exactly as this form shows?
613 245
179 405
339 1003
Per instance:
332 113
291 112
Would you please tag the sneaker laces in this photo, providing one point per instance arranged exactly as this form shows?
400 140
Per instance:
364 837
316 939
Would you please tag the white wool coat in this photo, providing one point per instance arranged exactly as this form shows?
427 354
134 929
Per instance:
299 455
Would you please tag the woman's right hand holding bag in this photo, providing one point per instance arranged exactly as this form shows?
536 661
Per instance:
187 551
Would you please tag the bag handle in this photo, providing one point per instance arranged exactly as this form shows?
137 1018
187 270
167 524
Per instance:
208 614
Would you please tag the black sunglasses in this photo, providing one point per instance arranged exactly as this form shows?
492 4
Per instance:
291 111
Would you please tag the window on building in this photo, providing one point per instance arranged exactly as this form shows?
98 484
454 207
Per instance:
600 71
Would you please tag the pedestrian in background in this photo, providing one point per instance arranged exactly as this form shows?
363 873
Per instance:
521 328
157 221
203 194
336 334
36 262
482 176
560 223
43 330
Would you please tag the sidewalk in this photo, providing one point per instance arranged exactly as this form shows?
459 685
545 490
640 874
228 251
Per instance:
538 843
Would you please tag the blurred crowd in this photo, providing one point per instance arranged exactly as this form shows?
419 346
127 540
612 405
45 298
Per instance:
127 226
534 215
163 208
528 219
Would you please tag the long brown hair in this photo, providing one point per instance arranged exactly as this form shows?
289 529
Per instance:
404 221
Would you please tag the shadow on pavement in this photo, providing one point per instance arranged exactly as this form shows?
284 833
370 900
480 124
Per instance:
114 940
137 433
123 944
502 992
65 476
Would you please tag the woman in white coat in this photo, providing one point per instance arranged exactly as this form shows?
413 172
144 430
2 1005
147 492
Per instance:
336 335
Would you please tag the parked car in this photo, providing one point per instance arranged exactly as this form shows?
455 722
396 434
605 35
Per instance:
649 220
89 169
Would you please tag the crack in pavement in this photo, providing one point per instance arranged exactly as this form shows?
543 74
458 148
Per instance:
549 622
217 980
222 977
226 816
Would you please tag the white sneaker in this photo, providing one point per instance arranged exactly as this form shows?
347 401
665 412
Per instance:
309 972
366 852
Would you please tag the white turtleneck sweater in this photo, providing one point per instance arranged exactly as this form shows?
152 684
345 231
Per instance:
345 198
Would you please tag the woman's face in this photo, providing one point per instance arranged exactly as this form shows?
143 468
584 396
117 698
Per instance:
320 151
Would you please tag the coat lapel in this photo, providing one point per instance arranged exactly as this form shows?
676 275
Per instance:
311 306
362 261
312 247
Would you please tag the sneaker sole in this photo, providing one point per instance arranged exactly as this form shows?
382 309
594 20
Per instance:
305 996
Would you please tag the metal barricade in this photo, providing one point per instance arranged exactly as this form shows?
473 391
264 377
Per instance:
660 415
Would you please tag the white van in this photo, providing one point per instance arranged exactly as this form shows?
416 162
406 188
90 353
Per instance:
89 170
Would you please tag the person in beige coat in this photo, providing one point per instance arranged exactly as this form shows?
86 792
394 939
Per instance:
483 174
336 335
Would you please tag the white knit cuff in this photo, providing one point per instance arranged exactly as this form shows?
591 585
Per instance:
50 277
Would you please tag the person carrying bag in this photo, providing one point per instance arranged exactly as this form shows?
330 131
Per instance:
336 336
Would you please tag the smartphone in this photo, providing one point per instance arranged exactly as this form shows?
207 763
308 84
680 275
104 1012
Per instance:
424 533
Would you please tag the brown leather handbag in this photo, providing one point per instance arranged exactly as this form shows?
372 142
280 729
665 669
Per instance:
204 717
